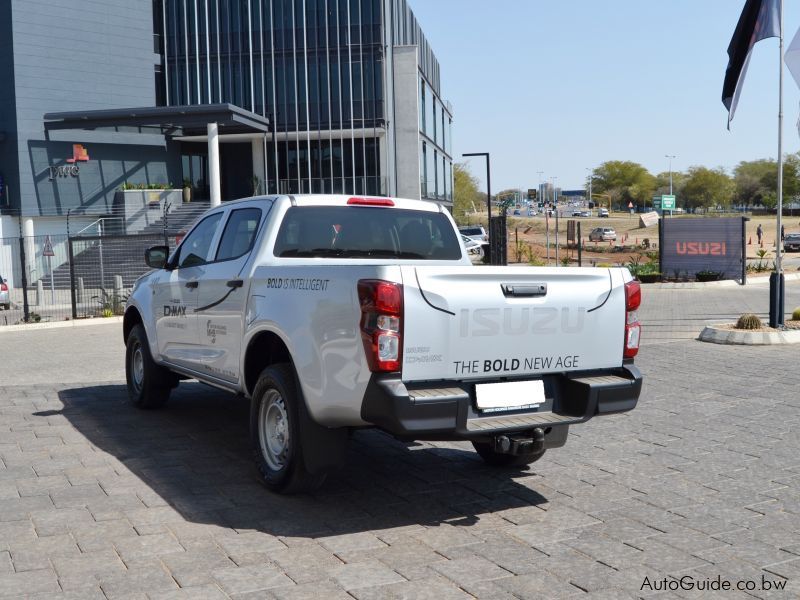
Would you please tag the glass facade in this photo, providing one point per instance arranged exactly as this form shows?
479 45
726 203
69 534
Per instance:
316 69
435 124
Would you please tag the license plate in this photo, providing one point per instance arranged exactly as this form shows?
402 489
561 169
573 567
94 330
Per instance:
509 395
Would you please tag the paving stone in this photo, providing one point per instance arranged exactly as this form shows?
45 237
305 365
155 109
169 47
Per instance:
424 589
363 575
18 585
137 581
194 568
146 546
256 578
467 570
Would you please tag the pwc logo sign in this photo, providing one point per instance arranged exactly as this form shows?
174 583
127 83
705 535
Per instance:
71 169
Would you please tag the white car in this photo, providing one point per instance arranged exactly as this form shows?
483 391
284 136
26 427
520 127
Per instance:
473 247
5 294
602 212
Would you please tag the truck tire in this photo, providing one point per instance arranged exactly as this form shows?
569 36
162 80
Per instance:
497 459
7 306
275 433
149 384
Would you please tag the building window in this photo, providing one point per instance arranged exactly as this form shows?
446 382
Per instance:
421 106
424 171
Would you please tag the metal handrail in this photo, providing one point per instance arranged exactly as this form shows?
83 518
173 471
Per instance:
98 222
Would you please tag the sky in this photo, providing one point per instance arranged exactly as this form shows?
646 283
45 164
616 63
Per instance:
563 86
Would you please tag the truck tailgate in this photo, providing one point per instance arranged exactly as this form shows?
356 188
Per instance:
480 323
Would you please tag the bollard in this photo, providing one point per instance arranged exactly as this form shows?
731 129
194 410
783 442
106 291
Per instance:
39 293
81 290
118 286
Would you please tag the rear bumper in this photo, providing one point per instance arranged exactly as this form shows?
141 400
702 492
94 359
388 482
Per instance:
446 410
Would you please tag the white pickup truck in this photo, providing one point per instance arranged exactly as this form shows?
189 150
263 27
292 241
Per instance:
333 313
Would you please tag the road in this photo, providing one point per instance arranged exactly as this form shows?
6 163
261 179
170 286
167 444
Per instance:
702 479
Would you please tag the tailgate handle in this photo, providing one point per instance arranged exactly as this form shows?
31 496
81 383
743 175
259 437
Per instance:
522 290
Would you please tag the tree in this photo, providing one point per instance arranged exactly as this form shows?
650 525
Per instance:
662 182
624 181
466 196
757 180
704 187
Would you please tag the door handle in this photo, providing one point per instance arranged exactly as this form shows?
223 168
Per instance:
192 284
235 283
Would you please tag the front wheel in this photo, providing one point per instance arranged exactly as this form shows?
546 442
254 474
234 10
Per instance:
149 384
275 433
497 459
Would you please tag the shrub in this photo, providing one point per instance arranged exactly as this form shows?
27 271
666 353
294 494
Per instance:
565 261
796 314
649 277
748 321
706 275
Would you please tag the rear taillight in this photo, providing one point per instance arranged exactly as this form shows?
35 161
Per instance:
3 287
382 323
633 329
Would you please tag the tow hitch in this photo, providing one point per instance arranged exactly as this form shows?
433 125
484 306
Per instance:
520 443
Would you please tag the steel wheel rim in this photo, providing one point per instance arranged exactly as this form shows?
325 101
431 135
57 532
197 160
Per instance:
273 430
137 367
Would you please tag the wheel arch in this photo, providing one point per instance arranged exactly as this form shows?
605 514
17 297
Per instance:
264 349
132 318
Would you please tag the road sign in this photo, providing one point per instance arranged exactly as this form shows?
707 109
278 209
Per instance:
667 202
48 247
630 204
656 202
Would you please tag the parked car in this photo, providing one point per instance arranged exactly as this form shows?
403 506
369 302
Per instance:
586 213
576 213
603 234
791 242
476 232
474 248
602 212
5 294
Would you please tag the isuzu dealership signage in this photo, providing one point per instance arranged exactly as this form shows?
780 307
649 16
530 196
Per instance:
689 246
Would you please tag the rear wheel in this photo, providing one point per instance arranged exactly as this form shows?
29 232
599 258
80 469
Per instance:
275 433
149 384
7 306
498 459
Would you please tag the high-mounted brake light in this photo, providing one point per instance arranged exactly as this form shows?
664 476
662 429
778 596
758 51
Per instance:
633 329
382 323
371 201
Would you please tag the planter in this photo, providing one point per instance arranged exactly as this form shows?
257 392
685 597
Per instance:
649 278
187 194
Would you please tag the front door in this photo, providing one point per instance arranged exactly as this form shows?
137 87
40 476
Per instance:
222 296
177 295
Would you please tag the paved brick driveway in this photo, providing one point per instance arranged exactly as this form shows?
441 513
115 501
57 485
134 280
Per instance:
100 500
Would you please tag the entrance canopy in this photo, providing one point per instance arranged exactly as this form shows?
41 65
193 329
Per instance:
215 119
172 120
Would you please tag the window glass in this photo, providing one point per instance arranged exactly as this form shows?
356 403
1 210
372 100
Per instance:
366 232
194 249
239 234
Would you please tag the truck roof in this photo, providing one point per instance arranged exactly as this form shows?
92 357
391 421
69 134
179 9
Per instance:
344 199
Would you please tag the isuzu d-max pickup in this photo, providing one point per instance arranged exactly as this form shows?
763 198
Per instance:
332 313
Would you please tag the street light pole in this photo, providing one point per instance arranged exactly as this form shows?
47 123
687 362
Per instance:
488 199
670 157
591 175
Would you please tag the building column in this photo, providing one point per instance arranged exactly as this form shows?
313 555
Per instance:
30 249
213 164
259 166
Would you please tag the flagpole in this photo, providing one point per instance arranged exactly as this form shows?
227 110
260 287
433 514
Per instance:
776 281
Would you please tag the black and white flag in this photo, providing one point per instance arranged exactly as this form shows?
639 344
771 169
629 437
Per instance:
760 20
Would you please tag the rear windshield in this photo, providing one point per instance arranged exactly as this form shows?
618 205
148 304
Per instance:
360 231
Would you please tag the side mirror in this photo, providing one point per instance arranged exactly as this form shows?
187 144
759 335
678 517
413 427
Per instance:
156 257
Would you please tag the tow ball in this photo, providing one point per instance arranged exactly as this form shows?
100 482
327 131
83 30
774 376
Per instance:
520 443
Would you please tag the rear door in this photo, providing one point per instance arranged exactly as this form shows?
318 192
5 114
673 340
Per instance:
222 295
466 323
